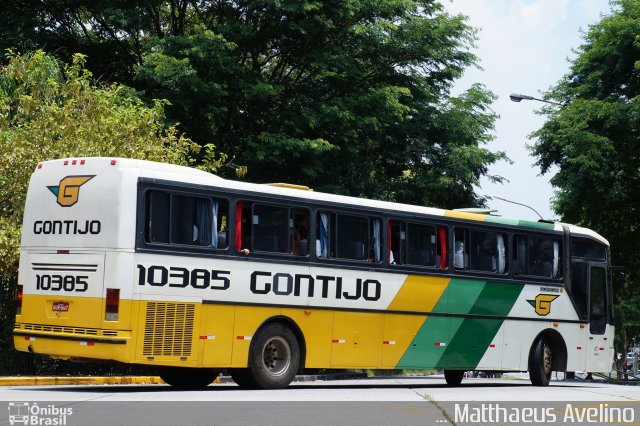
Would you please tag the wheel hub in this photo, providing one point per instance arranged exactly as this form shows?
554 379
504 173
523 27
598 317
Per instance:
276 356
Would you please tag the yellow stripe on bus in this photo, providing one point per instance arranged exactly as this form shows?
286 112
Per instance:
419 294
465 215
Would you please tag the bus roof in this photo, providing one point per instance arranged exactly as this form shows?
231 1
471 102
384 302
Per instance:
183 174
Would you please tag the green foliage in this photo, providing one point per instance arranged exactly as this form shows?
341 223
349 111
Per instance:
51 111
594 141
347 97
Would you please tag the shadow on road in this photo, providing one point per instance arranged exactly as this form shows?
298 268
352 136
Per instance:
367 383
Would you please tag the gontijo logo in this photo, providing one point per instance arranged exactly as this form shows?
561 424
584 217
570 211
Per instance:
68 190
542 303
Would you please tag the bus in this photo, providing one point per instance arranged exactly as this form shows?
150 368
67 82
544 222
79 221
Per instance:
153 264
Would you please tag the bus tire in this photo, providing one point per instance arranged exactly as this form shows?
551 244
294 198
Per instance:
274 357
242 377
188 378
540 362
453 377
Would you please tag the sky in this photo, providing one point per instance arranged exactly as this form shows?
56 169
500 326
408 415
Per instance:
523 46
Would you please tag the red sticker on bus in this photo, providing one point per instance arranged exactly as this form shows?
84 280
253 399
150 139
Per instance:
60 306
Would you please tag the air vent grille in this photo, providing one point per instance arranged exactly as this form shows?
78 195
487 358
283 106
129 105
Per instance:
168 329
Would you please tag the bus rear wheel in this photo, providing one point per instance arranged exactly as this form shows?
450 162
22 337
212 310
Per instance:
274 357
188 378
453 377
540 362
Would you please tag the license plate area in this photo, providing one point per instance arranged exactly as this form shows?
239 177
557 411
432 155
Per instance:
60 307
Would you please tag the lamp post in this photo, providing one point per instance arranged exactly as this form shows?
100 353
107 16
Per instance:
517 97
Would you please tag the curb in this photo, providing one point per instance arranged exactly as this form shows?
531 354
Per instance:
145 380
44 381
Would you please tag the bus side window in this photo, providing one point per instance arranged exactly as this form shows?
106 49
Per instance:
220 222
352 237
243 226
323 232
194 220
421 245
375 250
460 258
483 251
519 255
157 217
270 228
544 257
537 256
397 241
300 234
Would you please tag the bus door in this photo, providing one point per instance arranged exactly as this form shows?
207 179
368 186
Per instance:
598 343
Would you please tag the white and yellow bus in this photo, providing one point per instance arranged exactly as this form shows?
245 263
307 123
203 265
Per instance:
145 263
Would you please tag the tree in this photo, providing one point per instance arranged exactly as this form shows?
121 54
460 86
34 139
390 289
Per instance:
594 140
347 97
51 111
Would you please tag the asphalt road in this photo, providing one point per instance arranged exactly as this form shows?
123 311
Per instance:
374 401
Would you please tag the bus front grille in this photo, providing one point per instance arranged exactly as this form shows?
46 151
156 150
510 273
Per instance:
168 329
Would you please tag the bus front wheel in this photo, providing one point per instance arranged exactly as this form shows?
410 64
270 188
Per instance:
540 362
188 378
453 377
274 357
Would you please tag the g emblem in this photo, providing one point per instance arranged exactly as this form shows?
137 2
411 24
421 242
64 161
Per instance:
68 191
542 303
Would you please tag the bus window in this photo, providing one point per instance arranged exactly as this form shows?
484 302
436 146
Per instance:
219 234
483 251
157 217
352 237
300 232
375 245
520 255
421 245
397 238
193 221
270 228
581 247
460 259
323 232
543 257
185 220
417 244
538 256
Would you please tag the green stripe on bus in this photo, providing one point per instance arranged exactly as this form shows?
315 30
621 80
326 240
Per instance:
474 335
460 296
502 220
539 225
429 344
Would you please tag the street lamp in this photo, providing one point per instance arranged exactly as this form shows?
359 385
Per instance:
517 97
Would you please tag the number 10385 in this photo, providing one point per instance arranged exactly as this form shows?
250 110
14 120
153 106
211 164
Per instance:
62 282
